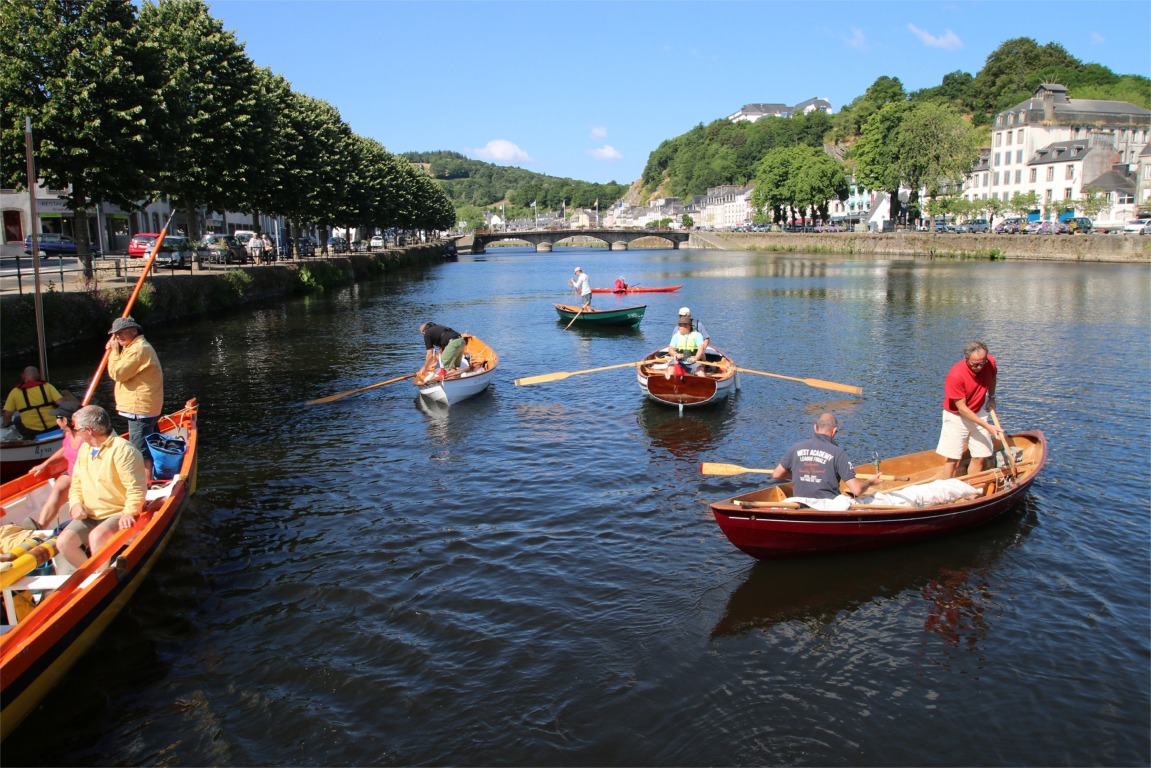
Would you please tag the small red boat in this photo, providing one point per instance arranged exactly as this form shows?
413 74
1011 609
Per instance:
765 525
640 289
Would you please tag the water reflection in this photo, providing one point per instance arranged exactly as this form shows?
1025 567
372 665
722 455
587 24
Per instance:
689 434
952 578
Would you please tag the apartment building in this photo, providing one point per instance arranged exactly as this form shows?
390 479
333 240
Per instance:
753 112
1056 146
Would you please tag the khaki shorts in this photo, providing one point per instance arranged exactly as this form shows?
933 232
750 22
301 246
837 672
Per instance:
959 433
83 527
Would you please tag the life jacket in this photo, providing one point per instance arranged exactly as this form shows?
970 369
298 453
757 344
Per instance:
686 345
45 419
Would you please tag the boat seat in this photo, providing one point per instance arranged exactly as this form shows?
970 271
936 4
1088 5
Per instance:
45 583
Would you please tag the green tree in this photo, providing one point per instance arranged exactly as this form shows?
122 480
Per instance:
76 69
877 156
206 127
1011 73
935 148
686 221
1094 202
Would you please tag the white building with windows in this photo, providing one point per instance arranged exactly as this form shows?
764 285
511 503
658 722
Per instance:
1056 146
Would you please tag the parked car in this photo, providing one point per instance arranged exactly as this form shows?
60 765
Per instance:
51 244
177 252
377 241
977 226
305 246
1079 225
1010 226
141 244
1046 228
337 245
943 226
1137 227
224 249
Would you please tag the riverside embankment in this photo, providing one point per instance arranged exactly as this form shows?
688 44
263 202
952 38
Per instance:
168 296
1101 248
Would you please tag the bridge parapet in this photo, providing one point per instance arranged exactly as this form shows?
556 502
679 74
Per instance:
545 239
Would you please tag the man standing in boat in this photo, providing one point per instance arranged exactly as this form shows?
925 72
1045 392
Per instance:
968 395
134 366
817 465
582 286
451 345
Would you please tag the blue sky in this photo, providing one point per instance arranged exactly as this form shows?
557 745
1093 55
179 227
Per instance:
588 89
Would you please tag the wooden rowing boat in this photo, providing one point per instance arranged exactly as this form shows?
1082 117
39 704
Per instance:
622 317
639 289
764 525
691 390
19 456
69 611
460 385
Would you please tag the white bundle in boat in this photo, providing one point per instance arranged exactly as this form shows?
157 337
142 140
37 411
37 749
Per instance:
926 494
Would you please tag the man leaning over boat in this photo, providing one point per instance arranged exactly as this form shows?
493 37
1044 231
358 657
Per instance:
816 466
108 486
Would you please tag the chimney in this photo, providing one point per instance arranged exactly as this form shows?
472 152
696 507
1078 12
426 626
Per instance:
1048 106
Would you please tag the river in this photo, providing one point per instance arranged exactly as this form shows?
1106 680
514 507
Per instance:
532 577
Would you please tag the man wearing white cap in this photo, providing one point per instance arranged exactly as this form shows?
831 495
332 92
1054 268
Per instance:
696 325
582 286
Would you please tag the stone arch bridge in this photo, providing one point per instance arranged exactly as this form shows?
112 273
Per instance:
545 239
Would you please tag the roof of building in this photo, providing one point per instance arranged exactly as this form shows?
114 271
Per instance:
1060 152
1069 111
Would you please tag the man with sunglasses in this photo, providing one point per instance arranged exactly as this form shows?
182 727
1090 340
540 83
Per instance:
968 395
139 391
108 486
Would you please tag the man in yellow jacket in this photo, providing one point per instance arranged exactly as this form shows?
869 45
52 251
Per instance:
108 486
134 366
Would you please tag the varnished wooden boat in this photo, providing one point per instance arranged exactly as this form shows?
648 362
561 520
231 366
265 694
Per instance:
764 525
622 317
639 289
686 391
460 385
68 612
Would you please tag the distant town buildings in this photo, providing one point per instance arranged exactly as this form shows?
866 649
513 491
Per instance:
752 112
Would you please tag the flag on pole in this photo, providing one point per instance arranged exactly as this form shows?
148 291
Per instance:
533 203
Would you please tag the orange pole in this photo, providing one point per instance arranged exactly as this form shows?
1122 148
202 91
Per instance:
128 307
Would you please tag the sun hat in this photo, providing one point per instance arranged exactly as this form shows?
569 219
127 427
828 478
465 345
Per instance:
123 324
684 311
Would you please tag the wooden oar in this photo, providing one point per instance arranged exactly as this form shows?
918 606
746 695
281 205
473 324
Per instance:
1008 448
128 306
330 398
577 314
565 374
819 383
711 468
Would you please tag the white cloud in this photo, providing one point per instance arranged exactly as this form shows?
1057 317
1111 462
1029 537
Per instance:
606 152
1097 39
598 132
949 41
502 151
858 40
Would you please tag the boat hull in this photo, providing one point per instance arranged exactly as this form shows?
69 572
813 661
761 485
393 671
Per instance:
19 456
639 289
763 531
626 317
456 387
37 653
686 391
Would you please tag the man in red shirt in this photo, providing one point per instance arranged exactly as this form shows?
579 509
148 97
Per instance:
968 394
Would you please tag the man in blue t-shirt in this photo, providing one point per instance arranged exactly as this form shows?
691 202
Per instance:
817 464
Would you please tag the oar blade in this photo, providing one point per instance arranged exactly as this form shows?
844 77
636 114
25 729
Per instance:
821 384
713 468
543 379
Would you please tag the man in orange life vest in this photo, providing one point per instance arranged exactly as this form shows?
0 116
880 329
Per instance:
34 400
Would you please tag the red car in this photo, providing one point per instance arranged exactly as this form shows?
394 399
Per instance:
141 244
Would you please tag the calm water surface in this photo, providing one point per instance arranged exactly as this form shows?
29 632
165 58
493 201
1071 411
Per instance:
533 577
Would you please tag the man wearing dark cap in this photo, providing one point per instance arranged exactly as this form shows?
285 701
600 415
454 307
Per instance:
133 365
